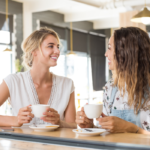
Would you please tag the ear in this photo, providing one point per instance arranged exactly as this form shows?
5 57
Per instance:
34 53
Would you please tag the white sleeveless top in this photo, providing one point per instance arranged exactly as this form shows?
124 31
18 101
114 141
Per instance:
23 93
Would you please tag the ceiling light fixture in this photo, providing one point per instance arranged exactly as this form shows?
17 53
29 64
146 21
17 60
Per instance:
142 17
7 49
71 42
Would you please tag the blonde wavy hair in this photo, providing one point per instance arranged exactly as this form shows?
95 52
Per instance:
132 57
33 42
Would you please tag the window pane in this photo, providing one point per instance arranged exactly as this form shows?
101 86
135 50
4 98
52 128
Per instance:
5 63
60 68
5 70
5 37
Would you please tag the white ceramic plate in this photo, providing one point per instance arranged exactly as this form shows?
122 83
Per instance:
44 128
84 132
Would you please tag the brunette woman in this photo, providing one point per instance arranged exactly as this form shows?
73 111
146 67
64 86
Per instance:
126 98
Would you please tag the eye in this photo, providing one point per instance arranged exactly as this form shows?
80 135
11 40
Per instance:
51 46
58 47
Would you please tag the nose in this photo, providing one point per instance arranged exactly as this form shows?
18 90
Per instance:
106 53
56 50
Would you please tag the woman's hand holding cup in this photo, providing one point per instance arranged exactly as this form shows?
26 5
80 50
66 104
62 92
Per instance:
24 116
82 120
51 116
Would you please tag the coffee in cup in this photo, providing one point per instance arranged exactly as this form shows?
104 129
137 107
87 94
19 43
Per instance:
93 110
39 109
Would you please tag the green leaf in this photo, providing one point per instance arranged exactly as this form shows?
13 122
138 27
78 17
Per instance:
18 65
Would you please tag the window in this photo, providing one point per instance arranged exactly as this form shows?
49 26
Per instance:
76 68
5 66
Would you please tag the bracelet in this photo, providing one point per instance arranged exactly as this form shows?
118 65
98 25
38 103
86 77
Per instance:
137 130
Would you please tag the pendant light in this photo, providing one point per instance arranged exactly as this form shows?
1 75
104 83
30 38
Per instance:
7 49
71 42
142 17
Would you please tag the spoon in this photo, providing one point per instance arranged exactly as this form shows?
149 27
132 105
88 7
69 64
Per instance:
34 124
88 130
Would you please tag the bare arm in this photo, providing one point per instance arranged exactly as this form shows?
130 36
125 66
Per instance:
117 125
133 128
70 114
23 115
4 94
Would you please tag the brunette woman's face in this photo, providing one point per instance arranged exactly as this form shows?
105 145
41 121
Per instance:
50 51
110 53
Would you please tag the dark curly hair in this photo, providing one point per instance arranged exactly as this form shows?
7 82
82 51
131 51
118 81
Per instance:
132 56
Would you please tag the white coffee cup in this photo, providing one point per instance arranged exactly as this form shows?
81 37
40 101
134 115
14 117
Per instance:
93 110
39 109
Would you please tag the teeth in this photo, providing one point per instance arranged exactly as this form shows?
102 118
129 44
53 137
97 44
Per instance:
54 57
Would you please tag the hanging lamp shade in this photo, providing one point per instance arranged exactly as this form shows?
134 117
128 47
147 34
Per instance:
7 49
142 17
71 53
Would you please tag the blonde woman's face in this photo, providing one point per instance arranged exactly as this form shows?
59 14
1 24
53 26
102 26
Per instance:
50 51
110 54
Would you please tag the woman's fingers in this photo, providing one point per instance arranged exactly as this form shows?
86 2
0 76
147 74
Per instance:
27 114
103 115
24 115
80 113
82 120
25 121
85 119
82 125
49 118
25 109
51 110
82 108
108 128
52 120
80 117
51 115
25 118
105 119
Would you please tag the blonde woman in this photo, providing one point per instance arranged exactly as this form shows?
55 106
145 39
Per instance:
38 85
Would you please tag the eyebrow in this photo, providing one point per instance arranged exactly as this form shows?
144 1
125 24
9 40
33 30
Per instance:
52 44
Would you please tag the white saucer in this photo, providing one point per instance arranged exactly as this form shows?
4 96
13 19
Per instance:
44 128
94 131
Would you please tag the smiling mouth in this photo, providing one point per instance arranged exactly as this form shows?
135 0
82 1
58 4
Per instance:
54 58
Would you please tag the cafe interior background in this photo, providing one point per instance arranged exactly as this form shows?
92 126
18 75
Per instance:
84 27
